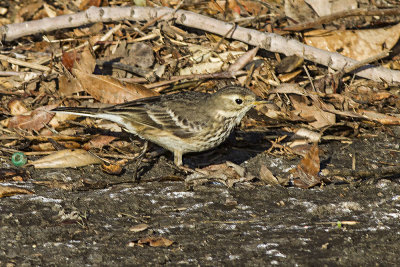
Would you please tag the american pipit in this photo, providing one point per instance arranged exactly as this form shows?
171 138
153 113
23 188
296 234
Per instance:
183 122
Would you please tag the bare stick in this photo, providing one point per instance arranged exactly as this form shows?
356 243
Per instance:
343 14
24 63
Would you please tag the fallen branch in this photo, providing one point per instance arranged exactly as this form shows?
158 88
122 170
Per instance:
343 14
269 41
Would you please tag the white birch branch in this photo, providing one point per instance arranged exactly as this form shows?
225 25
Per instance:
269 41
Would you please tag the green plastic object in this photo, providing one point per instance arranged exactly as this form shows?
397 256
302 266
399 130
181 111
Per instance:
19 159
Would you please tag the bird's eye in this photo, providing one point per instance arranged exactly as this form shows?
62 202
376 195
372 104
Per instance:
238 101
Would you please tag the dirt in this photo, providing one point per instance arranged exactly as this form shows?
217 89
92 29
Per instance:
345 222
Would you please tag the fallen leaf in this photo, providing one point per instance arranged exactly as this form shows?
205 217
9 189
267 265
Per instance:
35 121
107 89
114 168
312 113
267 177
155 241
356 44
327 7
68 59
379 117
311 136
17 107
308 169
289 64
47 146
99 142
8 191
66 158
68 86
138 227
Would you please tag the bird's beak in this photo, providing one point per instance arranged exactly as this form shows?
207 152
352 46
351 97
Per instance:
260 102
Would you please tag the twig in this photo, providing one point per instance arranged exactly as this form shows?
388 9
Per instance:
218 75
24 63
366 61
378 173
342 14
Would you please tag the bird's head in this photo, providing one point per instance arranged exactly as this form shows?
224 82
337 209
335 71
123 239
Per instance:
233 101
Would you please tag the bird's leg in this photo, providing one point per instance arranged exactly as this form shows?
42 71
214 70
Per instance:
139 159
178 158
179 164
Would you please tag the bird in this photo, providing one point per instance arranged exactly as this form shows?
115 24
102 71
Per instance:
182 122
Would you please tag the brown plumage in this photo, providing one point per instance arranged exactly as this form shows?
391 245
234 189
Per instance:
183 122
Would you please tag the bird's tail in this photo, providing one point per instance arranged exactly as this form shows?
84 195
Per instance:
79 111
90 112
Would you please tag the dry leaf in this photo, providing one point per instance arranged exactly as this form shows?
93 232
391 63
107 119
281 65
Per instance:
356 44
308 169
85 62
256 8
8 191
68 59
312 136
327 7
98 142
114 168
289 64
67 158
267 177
35 121
68 87
379 117
155 241
17 107
139 227
50 147
317 117
107 89
299 11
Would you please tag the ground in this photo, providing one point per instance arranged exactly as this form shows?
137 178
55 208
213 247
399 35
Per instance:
348 223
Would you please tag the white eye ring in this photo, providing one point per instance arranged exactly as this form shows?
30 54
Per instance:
238 101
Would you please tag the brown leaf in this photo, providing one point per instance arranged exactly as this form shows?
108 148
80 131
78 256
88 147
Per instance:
8 191
139 227
68 87
379 117
47 146
155 241
35 121
315 115
67 158
17 107
254 7
99 142
107 89
68 59
114 168
356 44
85 62
267 177
308 169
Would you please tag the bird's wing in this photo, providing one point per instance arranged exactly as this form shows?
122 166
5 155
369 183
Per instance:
178 124
172 113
